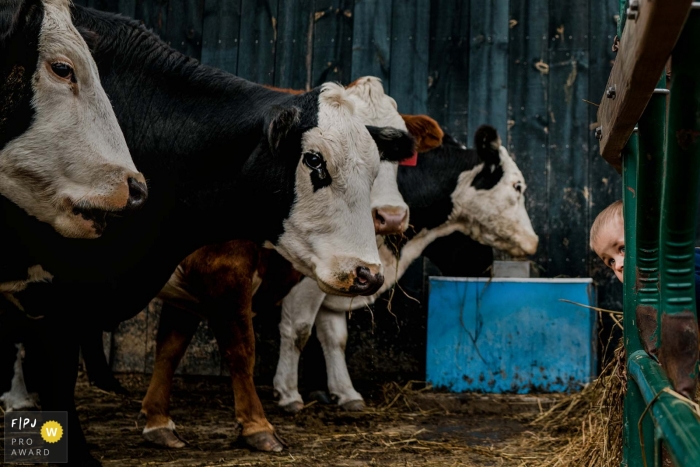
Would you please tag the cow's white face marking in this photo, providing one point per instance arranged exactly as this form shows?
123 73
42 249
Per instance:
377 108
496 217
329 233
73 157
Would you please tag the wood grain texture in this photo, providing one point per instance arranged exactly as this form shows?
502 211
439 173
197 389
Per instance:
184 26
528 103
604 183
410 48
295 34
645 45
488 65
371 40
568 139
258 37
448 82
221 28
332 56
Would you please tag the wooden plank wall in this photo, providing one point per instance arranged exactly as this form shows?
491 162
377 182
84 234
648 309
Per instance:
534 69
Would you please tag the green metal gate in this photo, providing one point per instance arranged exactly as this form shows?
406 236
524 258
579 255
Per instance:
661 188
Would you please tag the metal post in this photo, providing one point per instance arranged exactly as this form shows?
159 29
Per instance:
652 149
678 336
633 403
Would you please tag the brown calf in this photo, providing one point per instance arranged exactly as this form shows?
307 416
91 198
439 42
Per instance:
217 283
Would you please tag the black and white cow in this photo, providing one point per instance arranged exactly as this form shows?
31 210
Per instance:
479 192
225 159
63 158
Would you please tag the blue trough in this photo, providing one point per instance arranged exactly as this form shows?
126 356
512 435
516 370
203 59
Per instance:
510 335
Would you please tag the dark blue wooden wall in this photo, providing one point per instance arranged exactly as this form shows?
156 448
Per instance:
535 69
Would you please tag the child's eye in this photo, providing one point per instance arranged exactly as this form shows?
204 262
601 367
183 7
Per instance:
612 261
622 249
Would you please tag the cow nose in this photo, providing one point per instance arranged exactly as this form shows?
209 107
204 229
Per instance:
367 283
138 193
389 220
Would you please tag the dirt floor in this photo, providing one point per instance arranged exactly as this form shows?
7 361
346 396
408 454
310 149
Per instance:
401 427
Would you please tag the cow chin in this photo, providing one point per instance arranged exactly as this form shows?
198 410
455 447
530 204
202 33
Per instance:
76 226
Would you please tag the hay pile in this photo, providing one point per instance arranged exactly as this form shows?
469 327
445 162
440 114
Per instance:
585 429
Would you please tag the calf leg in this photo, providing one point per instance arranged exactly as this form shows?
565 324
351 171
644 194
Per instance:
175 332
299 309
332 331
236 338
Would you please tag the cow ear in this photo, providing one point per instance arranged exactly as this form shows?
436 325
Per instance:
487 144
425 130
394 145
9 17
279 123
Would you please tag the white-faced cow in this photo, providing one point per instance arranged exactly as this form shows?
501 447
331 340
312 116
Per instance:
63 158
224 158
479 192
218 282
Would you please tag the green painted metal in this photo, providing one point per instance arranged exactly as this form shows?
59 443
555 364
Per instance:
621 21
661 178
678 425
633 404
681 171
650 157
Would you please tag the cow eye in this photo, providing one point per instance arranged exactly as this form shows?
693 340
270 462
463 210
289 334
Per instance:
62 70
518 187
313 160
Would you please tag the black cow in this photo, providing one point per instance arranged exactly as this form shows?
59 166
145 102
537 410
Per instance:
224 158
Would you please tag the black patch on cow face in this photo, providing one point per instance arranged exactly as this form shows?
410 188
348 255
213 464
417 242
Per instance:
489 177
393 144
320 177
20 26
487 144
427 188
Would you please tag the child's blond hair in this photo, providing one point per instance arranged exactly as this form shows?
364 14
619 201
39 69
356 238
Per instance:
612 212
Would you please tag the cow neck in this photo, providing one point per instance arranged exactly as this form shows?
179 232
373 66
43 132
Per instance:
194 132
428 187
188 123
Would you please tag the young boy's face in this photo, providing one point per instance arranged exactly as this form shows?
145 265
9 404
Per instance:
610 246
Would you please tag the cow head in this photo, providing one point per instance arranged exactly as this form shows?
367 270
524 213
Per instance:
489 200
389 210
328 233
63 157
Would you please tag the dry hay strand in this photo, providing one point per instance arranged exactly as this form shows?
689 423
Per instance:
394 393
589 422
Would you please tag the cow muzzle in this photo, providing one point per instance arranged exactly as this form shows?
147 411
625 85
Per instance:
87 216
365 279
390 220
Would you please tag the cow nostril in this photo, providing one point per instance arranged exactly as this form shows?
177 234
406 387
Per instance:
379 217
363 275
138 192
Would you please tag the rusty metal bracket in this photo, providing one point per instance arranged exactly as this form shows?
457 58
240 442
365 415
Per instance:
678 354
